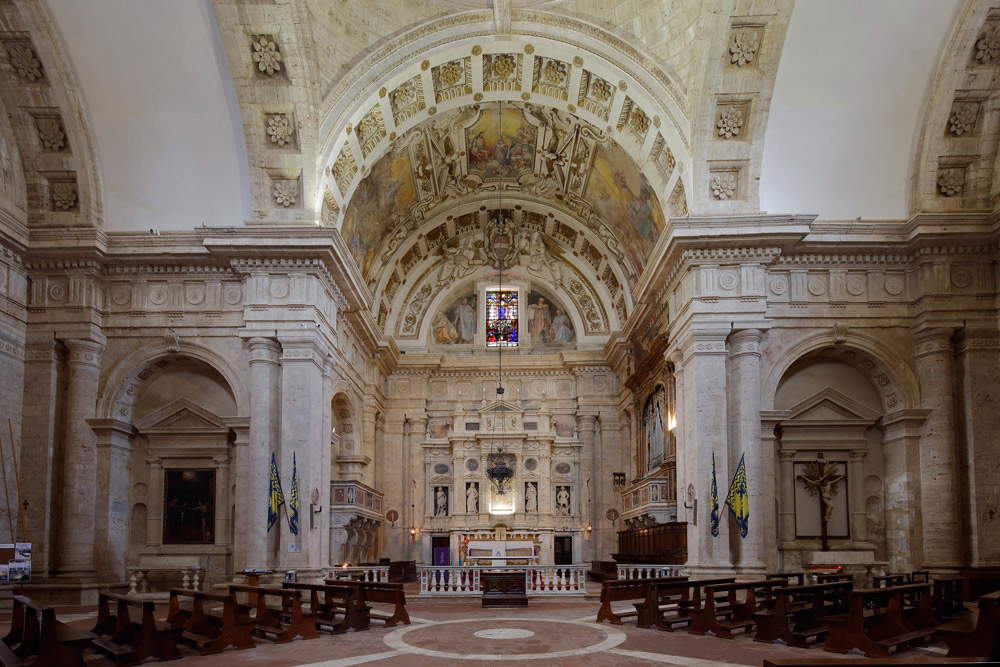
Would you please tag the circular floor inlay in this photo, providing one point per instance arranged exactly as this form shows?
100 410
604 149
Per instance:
504 633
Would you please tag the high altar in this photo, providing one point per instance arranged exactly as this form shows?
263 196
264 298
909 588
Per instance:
534 518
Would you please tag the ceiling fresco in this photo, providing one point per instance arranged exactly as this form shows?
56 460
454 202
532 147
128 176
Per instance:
534 152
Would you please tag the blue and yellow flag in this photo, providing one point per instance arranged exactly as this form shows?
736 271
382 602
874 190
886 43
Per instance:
275 497
738 499
714 497
293 500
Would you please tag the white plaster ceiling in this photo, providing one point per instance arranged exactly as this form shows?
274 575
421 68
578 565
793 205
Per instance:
157 88
852 84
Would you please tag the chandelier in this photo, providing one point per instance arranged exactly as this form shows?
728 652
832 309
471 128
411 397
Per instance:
498 470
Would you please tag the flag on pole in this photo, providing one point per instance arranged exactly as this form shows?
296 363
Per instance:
275 497
293 500
714 517
738 498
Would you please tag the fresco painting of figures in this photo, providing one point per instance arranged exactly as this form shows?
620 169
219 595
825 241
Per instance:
504 154
455 323
619 191
387 189
548 323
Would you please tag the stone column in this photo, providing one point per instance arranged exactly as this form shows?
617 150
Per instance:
114 474
222 485
42 406
856 475
980 404
586 489
938 452
302 418
79 479
614 458
396 482
901 444
745 440
265 393
326 554
772 489
154 510
241 474
417 480
786 515
706 433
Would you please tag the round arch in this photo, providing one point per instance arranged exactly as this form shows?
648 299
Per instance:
890 374
119 390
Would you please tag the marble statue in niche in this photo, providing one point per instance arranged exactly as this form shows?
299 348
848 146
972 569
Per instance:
653 426
440 501
455 324
472 497
548 324
531 496
562 500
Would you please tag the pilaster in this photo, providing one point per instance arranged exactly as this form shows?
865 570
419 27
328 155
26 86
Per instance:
745 440
114 472
258 547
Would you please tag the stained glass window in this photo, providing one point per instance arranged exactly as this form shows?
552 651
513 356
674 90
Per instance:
501 318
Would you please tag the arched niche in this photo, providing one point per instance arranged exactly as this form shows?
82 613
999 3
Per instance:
349 460
827 420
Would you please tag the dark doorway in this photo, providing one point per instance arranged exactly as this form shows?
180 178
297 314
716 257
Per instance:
440 550
563 550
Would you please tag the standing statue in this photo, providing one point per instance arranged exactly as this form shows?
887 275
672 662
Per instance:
440 502
472 499
562 500
821 479
530 497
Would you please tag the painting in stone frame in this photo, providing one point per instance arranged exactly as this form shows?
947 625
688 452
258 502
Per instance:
548 323
381 197
456 323
188 506
619 192
507 153
654 426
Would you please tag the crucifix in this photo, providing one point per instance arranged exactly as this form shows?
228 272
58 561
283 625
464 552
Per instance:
821 479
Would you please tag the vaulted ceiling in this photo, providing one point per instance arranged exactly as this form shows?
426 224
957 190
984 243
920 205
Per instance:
378 120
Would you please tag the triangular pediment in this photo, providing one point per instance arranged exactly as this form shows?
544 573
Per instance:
831 405
500 406
181 415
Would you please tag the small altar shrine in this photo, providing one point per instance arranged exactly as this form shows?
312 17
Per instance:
496 552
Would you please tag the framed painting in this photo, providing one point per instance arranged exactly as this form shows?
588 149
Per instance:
189 507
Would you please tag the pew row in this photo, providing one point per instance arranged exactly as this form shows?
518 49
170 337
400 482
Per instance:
722 612
799 611
621 590
37 634
206 630
341 607
875 621
129 642
281 623
976 635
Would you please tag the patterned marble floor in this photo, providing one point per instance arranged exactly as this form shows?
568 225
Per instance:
456 632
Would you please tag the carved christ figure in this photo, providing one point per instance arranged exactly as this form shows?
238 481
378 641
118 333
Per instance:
822 477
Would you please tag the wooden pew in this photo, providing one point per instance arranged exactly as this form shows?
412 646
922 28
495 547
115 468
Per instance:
823 662
947 597
280 624
8 658
791 578
875 621
628 589
831 578
209 632
385 593
798 612
722 616
673 598
976 635
886 580
339 599
127 642
42 636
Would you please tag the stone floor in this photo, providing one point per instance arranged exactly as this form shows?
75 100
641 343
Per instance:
547 633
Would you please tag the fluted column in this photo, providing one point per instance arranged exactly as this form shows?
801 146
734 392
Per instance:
938 452
586 427
418 484
263 439
79 482
744 351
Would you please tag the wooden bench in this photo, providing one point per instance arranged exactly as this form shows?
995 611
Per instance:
798 612
977 635
886 580
127 642
722 615
205 630
603 570
8 658
947 597
798 577
279 624
385 593
823 662
875 621
626 589
831 578
668 603
42 636
341 608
